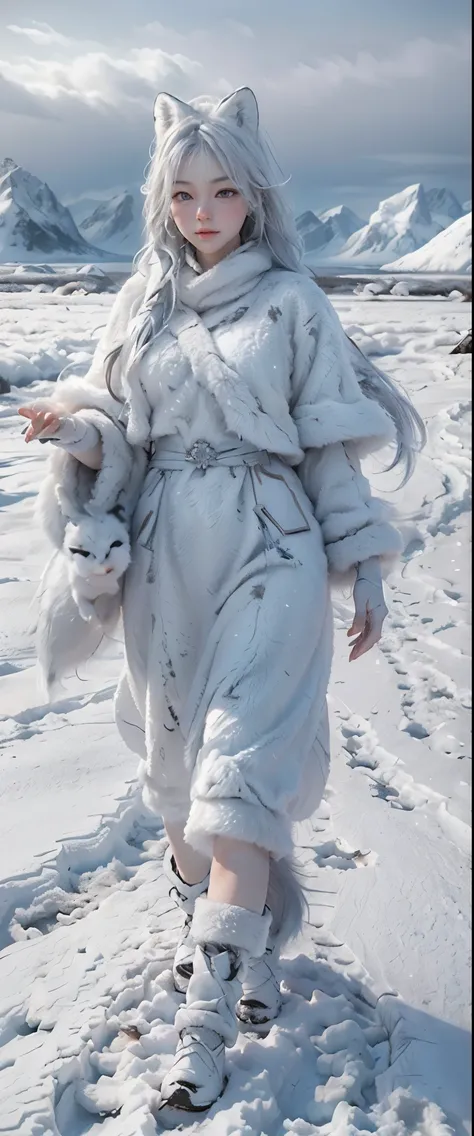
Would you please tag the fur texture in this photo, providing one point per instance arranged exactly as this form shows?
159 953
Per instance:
71 488
298 394
239 109
97 552
286 900
263 347
239 820
224 924
64 639
71 492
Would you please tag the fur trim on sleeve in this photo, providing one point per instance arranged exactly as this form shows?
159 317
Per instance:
328 404
71 487
355 525
374 539
324 422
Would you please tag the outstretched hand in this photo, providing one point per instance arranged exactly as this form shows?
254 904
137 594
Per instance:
370 608
43 423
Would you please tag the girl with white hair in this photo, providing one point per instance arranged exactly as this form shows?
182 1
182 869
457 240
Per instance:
221 425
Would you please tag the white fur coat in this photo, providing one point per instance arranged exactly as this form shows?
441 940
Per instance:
269 346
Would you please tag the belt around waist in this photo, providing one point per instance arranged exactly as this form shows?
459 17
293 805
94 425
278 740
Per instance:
203 455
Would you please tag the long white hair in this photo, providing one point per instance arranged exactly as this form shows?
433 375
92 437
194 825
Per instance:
237 142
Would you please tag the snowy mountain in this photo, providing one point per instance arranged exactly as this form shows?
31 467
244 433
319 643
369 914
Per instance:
341 222
116 224
311 229
449 251
327 233
444 206
401 224
82 207
33 221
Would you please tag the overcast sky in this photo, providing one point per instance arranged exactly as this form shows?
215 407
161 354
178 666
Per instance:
359 97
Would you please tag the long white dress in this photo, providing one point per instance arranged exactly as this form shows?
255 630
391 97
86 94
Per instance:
228 633
226 604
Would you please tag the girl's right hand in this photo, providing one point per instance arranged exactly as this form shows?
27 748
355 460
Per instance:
43 423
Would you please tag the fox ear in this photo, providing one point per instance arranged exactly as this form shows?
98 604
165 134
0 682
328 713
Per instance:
240 108
169 112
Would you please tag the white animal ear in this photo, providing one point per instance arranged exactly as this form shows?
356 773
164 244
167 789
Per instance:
169 112
240 108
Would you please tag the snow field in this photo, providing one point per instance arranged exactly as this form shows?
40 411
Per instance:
374 1031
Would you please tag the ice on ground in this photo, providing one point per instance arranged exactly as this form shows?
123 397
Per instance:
91 270
374 1034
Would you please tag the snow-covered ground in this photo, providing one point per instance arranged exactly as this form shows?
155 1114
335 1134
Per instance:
374 1032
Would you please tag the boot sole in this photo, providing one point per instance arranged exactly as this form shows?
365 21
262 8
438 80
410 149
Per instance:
172 1112
261 1029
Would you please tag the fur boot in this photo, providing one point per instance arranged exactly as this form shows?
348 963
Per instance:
185 896
226 938
261 1000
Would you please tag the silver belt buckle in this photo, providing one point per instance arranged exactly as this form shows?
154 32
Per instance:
202 454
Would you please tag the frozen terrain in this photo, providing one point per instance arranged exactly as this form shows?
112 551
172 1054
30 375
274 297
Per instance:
374 1034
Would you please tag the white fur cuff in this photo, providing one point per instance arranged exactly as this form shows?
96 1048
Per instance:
378 539
226 925
238 820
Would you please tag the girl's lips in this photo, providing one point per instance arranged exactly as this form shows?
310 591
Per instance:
207 233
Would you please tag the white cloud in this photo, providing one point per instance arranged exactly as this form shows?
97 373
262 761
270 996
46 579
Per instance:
41 34
99 80
333 118
14 99
417 59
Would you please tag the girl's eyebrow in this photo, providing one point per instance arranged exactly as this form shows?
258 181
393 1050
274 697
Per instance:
212 181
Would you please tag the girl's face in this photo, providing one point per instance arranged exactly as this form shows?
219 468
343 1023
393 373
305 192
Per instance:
207 209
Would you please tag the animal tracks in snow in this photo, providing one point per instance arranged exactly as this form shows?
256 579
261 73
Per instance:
425 645
383 768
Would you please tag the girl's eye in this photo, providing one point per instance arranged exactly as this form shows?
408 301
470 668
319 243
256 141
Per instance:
182 194
79 551
116 544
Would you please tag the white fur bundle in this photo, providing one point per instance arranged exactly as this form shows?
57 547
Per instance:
80 594
97 551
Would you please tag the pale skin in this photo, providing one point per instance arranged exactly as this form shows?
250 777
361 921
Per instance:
205 199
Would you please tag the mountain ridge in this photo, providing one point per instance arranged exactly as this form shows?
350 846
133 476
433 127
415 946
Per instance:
400 224
449 251
34 221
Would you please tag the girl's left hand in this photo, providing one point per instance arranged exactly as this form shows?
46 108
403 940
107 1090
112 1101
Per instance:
370 608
